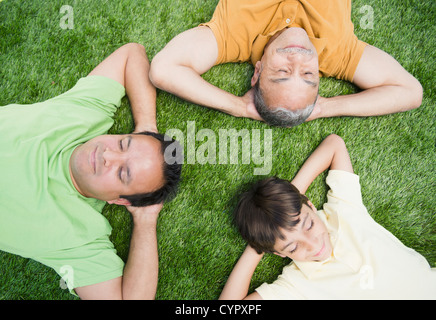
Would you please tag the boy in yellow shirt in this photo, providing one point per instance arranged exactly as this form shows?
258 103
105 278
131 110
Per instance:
338 252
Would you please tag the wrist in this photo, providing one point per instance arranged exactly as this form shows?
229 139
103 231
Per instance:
145 216
252 253
144 221
236 107
145 127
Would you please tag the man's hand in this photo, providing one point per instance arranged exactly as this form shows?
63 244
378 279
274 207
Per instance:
317 110
248 107
145 214
146 128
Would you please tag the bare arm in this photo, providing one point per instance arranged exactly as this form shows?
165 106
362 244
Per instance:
141 271
179 66
237 284
140 277
331 153
387 88
129 66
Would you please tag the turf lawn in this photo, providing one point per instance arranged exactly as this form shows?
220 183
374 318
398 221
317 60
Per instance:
198 245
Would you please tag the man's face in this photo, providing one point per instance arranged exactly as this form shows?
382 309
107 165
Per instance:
288 70
308 241
108 166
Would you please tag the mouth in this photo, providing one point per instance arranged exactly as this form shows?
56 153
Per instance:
295 46
295 49
321 251
92 160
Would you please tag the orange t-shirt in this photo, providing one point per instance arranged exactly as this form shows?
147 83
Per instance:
242 28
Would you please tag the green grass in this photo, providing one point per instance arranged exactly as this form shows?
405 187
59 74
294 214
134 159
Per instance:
198 245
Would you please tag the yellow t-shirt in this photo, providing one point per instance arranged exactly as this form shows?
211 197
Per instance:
242 28
368 262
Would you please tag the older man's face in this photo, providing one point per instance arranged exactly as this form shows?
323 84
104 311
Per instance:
289 70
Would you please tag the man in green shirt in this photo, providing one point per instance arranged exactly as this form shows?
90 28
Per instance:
58 168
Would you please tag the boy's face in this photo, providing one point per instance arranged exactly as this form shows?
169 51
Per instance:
308 240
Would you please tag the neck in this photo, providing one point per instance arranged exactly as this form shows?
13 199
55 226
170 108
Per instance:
74 180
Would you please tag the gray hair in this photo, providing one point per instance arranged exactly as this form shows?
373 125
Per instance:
280 117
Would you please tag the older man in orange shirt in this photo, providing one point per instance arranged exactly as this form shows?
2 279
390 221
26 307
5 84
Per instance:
290 44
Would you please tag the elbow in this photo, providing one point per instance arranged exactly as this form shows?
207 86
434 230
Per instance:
135 49
336 140
158 71
415 93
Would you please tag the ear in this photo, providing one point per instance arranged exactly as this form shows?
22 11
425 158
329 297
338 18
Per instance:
279 254
312 206
120 202
256 75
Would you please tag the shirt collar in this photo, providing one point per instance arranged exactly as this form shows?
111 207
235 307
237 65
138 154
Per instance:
344 253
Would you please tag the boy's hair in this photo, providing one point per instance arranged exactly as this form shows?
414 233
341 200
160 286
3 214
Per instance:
171 175
271 204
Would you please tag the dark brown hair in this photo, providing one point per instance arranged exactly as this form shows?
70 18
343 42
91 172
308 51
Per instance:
171 174
271 204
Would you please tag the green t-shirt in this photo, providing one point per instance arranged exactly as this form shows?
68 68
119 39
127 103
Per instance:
42 216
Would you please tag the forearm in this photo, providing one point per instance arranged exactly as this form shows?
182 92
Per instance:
187 84
331 153
238 282
178 68
129 66
387 88
141 271
140 90
371 102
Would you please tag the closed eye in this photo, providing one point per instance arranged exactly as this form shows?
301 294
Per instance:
120 174
311 225
124 172
125 143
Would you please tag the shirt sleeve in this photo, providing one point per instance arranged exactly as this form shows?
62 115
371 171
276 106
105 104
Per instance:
275 291
94 92
344 187
282 288
85 265
351 59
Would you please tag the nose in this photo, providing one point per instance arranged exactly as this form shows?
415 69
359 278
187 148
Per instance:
312 245
111 157
296 59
